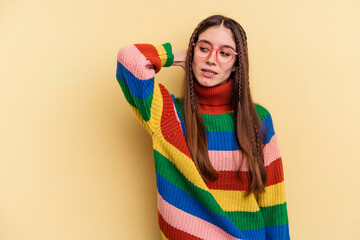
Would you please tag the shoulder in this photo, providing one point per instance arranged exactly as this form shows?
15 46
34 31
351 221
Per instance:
266 121
262 112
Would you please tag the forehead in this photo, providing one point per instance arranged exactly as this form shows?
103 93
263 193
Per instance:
218 36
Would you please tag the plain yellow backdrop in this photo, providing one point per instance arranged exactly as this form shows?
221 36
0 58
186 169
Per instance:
75 163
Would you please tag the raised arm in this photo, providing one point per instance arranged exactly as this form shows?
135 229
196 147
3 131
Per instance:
136 68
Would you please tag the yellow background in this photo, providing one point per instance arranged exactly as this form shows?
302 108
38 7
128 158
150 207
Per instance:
74 162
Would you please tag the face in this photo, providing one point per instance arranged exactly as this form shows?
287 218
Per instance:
209 71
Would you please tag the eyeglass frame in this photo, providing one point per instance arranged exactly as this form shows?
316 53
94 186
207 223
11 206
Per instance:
217 50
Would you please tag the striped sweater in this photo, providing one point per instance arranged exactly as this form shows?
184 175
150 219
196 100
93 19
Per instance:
189 207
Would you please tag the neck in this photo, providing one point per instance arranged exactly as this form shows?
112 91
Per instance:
215 100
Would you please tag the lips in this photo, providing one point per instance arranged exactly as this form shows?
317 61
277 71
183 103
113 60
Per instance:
208 73
208 70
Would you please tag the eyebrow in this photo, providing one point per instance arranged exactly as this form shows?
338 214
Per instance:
227 46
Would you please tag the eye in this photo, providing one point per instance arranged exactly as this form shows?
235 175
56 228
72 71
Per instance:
225 53
204 49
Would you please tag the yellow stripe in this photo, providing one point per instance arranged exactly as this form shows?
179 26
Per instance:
235 200
163 236
153 125
156 109
162 53
182 162
274 195
138 115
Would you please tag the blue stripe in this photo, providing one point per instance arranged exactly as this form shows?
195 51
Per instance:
138 88
269 129
226 140
222 141
278 232
258 234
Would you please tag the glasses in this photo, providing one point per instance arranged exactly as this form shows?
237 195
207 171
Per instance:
223 54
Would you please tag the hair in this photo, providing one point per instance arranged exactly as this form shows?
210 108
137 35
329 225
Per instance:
248 124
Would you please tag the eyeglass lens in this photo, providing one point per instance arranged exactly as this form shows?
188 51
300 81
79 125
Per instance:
224 54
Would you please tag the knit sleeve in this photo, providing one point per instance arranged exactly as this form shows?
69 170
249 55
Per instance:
136 68
272 203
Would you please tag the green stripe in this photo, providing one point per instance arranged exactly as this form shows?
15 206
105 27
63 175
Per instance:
180 108
143 105
169 54
262 112
213 123
221 122
247 220
167 169
127 94
275 215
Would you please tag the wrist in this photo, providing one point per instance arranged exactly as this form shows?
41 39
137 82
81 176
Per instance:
179 57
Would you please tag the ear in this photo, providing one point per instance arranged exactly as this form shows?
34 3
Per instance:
233 68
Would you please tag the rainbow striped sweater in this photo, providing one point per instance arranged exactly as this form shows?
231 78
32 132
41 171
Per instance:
189 207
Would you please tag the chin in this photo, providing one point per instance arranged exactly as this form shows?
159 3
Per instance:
209 82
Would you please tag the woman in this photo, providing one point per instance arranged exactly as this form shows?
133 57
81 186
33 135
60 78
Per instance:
218 168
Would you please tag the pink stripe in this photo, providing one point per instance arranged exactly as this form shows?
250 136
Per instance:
228 160
234 160
134 61
271 151
189 223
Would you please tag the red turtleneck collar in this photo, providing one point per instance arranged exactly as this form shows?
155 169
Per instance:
215 100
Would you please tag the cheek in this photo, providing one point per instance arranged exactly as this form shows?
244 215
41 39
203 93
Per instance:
227 70
195 67
194 63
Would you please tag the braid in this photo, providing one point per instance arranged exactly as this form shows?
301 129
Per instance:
257 135
243 35
251 133
190 57
244 43
192 90
240 70
260 160
191 83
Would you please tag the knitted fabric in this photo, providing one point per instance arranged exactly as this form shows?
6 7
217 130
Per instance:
215 100
188 207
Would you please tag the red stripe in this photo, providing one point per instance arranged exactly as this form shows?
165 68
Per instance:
239 181
275 172
230 180
170 126
151 54
173 233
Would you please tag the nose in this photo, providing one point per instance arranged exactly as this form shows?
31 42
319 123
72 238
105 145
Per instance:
211 58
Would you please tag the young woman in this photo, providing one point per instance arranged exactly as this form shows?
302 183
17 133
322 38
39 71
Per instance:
218 168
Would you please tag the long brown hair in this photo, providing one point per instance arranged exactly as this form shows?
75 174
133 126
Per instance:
249 129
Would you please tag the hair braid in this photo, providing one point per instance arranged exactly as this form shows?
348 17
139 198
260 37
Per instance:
261 175
257 138
193 38
239 69
191 86
244 43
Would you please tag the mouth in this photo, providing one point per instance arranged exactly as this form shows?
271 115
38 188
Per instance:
208 71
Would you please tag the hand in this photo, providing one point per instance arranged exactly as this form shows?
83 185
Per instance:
179 58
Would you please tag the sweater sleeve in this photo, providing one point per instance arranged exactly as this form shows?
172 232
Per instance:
136 68
272 203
